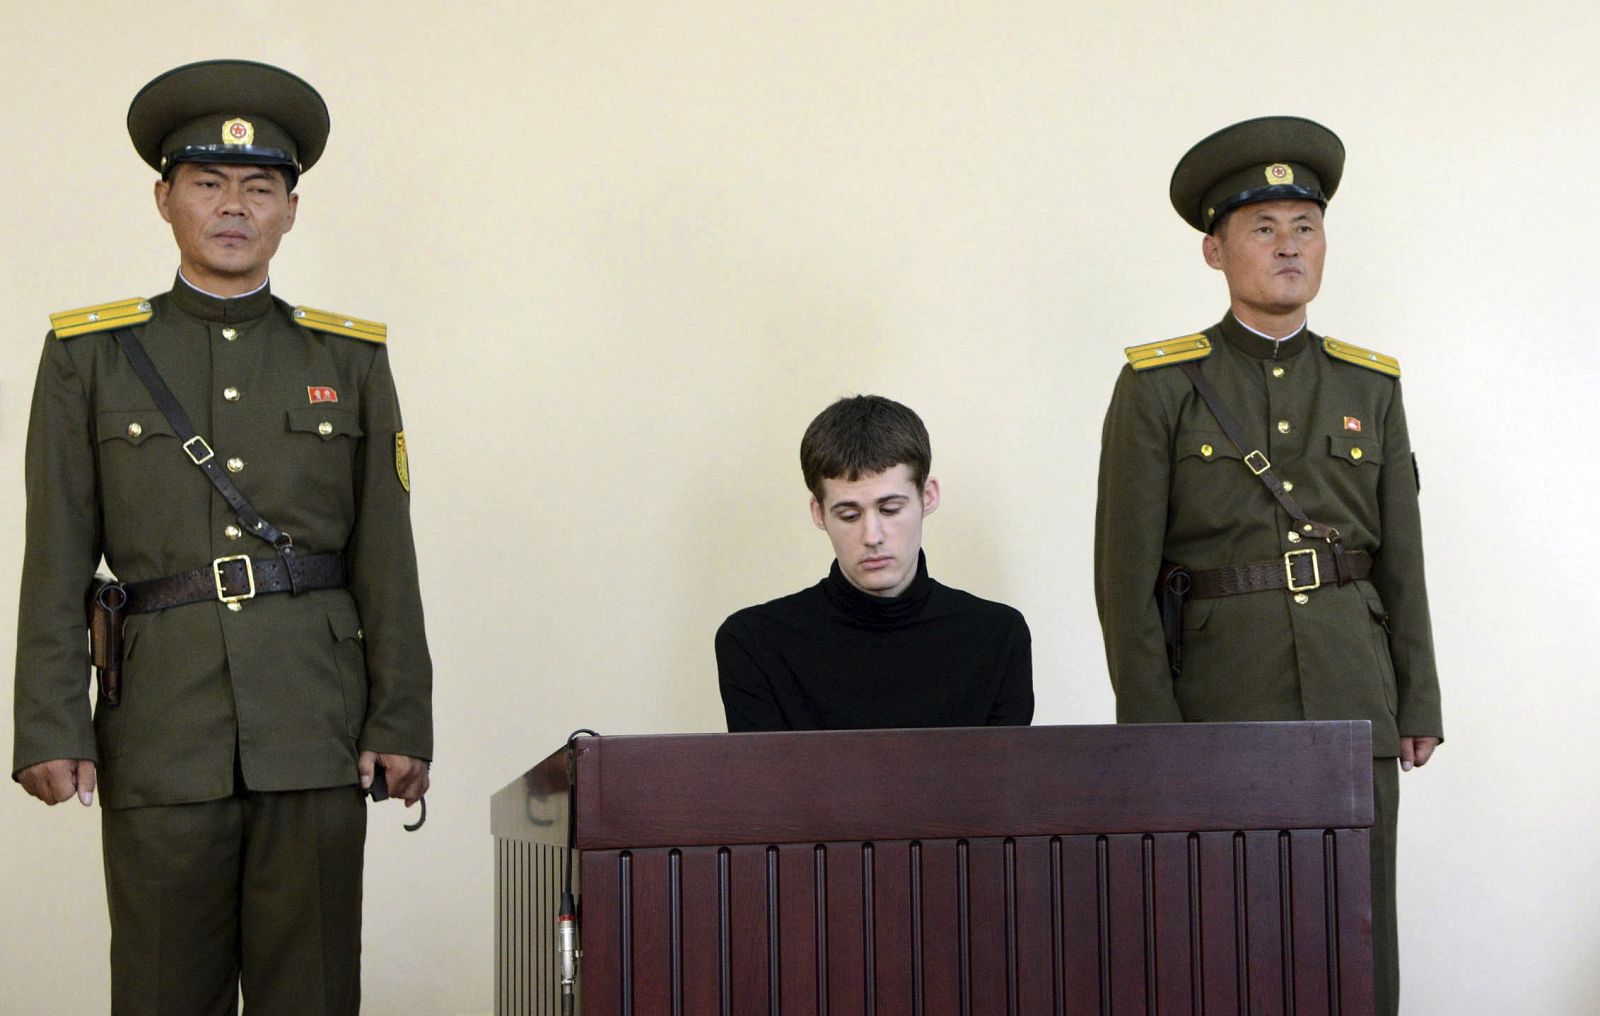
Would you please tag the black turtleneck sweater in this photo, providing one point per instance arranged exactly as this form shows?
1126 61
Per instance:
832 657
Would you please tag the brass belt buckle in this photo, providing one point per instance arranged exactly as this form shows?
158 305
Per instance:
249 574
1288 570
1255 457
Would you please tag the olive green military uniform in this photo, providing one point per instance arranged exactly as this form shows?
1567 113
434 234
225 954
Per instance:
292 687
1173 488
233 825
1329 417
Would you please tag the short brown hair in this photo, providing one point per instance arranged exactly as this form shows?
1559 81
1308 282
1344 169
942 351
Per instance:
860 435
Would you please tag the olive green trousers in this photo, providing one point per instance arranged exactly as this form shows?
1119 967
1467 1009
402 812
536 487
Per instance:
259 890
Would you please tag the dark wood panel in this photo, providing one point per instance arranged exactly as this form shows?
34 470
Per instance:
748 936
1082 972
800 965
1037 897
943 983
1129 917
1308 855
797 787
844 902
988 937
1264 912
651 919
1174 859
1221 922
893 938
600 979
702 956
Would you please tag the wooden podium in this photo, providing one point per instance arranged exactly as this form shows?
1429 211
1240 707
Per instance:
1216 868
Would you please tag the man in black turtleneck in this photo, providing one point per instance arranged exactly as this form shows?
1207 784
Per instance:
878 643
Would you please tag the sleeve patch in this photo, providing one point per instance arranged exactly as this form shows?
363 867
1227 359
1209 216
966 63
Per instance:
338 324
402 463
100 318
1362 357
1171 351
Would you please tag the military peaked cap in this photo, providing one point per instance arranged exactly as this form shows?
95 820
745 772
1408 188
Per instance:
231 111
1270 158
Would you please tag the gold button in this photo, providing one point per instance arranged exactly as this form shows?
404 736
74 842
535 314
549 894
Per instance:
1355 453
232 532
361 633
1307 528
231 393
134 430
1206 450
236 607
324 428
1294 537
235 465
1287 486
1302 599
230 334
1277 372
1283 426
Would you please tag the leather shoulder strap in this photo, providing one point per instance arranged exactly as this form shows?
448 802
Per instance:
1254 459
201 454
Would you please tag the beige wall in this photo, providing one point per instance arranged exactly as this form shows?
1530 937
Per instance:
626 252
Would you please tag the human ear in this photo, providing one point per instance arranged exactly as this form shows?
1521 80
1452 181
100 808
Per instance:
930 497
163 189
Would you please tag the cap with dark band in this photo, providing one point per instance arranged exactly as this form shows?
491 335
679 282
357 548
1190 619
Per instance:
1270 158
229 111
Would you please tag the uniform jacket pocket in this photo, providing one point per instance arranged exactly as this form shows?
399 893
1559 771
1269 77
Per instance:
325 422
1208 446
1356 449
132 426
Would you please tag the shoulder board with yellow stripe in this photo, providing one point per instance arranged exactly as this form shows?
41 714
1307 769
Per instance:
1163 354
1361 357
101 317
338 324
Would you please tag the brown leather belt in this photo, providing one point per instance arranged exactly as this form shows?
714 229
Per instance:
1297 571
233 579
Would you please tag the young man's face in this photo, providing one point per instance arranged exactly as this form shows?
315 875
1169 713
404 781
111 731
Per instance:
875 526
1271 253
228 221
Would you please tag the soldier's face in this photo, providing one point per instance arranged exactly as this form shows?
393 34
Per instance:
1271 254
875 526
228 221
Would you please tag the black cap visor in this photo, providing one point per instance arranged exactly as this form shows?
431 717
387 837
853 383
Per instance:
1256 195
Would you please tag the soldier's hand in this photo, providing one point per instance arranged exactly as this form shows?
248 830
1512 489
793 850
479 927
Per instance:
407 776
1415 751
59 779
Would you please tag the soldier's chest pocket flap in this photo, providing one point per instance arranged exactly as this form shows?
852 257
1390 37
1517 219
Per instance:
132 426
1205 445
324 422
1356 449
